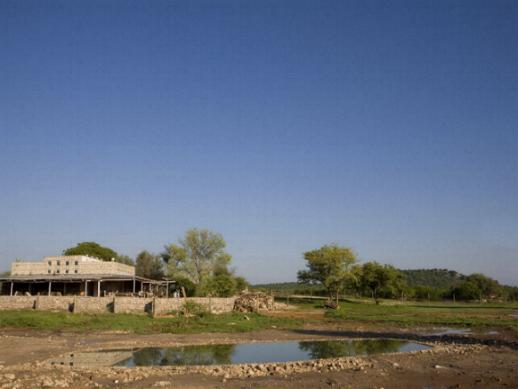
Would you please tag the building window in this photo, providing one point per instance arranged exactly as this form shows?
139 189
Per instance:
66 271
57 271
58 263
50 263
66 263
75 271
49 271
77 263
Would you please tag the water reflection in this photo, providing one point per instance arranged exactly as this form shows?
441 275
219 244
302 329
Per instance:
218 354
222 354
346 348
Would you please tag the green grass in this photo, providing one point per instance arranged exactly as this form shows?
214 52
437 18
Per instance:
142 324
470 315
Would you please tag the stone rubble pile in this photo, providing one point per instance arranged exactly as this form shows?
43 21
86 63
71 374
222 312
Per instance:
254 302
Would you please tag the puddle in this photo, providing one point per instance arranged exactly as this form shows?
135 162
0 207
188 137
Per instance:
221 354
449 331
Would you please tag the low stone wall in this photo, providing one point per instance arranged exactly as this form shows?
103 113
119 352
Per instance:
54 303
132 305
93 304
211 304
17 302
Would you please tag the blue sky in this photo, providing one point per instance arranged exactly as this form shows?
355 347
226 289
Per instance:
389 127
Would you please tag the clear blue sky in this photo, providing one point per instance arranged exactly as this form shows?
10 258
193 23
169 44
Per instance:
390 127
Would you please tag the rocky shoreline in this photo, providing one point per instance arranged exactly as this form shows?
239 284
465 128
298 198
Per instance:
68 376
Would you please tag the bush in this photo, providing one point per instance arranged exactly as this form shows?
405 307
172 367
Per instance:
191 308
221 285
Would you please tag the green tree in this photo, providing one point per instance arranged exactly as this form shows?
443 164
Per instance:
330 266
125 260
196 256
220 285
467 290
377 278
149 265
92 249
487 287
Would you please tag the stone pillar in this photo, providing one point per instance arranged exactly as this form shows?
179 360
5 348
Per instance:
50 287
12 287
99 288
134 285
86 287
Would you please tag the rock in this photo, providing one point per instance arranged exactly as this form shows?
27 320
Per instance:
254 302
162 383
9 376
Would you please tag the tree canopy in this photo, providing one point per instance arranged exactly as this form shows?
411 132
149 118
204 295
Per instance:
197 256
149 265
331 266
94 249
375 278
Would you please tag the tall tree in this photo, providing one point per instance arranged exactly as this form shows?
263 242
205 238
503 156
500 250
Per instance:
149 265
197 256
330 266
376 278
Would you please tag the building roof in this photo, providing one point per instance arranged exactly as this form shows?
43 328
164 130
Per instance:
79 277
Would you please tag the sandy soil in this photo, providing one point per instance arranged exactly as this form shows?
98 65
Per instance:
476 360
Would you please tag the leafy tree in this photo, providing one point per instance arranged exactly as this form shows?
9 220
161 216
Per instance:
467 290
149 265
92 249
487 287
125 260
330 266
220 285
187 284
241 284
377 278
196 256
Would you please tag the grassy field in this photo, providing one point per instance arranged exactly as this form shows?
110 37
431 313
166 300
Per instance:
397 313
61 321
468 315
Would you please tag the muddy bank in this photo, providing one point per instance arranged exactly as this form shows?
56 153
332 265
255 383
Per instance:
455 361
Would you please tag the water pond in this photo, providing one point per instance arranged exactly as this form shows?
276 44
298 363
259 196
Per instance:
236 353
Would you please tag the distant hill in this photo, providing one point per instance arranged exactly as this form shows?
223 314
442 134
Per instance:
289 287
437 278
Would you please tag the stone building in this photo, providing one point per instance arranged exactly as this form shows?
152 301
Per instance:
78 275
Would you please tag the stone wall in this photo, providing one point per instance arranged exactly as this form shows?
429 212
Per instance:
132 305
54 303
16 302
211 304
93 304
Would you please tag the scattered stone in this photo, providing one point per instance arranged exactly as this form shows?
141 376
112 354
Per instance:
254 302
162 383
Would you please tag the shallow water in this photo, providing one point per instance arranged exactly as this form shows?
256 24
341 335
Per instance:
449 331
237 353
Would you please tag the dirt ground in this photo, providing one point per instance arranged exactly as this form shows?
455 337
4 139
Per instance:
477 360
